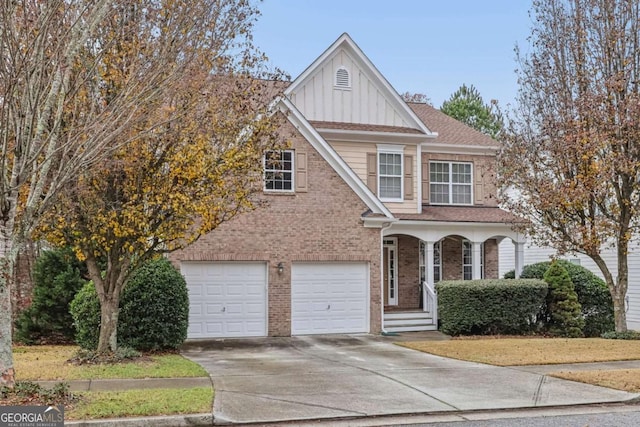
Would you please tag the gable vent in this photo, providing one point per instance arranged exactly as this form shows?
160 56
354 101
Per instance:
343 80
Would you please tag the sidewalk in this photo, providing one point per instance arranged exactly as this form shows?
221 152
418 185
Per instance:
129 384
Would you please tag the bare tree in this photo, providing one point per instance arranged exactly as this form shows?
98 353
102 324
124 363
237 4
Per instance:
77 77
572 147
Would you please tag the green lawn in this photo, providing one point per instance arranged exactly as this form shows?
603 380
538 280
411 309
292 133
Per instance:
36 363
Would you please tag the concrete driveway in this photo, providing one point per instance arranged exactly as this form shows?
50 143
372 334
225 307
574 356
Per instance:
321 377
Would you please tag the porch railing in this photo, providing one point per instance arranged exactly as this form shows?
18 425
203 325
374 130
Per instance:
430 300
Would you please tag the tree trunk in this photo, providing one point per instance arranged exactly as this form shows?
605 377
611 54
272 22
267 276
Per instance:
619 309
619 293
7 258
109 310
109 285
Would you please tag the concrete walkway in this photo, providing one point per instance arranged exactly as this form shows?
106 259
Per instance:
334 377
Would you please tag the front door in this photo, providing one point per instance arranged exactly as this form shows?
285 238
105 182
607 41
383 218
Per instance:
390 271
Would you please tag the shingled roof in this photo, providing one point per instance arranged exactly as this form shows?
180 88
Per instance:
484 214
450 131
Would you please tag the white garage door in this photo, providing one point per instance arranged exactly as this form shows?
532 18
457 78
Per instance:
226 299
329 298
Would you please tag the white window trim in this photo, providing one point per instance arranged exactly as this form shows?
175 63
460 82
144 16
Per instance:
450 183
293 173
391 149
465 241
466 244
422 273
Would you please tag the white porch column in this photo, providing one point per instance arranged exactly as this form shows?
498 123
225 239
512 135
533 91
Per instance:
476 273
428 266
519 247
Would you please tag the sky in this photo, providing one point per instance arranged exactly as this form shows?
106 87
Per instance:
421 46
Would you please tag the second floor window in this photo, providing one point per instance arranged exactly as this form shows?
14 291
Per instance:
450 183
278 170
390 175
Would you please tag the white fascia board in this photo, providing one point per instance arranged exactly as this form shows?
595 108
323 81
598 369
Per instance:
436 148
375 137
378 222
331 156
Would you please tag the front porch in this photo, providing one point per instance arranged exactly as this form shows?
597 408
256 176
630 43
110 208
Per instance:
412 267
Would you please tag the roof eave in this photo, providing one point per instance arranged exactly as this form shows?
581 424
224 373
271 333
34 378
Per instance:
375 136
443 148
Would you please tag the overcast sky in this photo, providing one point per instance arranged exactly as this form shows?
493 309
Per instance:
420 46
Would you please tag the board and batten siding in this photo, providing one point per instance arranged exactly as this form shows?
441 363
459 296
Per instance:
364 102
355 154
534 254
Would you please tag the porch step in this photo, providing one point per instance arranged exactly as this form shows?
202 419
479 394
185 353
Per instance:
411 321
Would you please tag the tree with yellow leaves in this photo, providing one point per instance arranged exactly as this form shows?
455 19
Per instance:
164 189
81 80
571 156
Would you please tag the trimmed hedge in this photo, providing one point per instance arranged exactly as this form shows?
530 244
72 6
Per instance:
592 291
484 307
154 310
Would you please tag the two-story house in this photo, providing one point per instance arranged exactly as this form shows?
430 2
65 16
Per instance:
375 201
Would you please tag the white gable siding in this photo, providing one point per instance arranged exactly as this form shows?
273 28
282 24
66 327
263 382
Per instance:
533 254
365 102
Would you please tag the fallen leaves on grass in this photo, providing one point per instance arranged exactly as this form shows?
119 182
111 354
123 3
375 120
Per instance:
35 363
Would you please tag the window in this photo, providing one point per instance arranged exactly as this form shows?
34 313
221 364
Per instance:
437 262
467 260
278 170
450 183
390 175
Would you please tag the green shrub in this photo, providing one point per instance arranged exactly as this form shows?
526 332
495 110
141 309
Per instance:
57 276
154 310
592 291
481 307
562 303
627 335
85 310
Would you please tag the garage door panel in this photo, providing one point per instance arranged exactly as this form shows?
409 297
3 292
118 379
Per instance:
329 298
227 299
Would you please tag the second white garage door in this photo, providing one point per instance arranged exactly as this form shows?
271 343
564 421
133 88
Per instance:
226 299
329 298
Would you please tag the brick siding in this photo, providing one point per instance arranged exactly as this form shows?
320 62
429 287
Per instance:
322 224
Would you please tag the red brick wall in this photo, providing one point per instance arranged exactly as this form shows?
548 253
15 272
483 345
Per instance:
22 285
322 224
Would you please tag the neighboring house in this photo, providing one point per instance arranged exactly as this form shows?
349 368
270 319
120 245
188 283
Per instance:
375 201
534 254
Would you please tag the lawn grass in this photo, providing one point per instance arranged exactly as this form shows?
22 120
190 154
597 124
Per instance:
36 363
620 379
536 351
545 351
140 403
